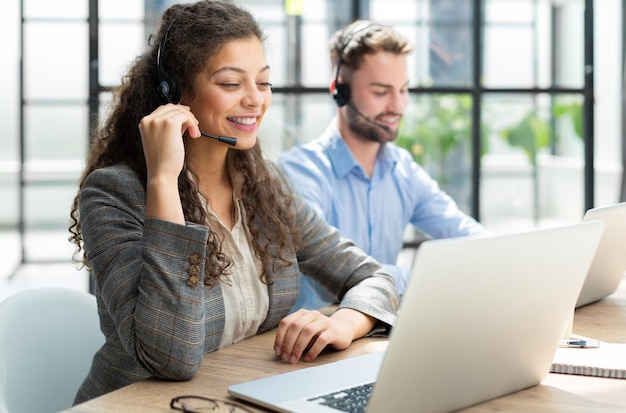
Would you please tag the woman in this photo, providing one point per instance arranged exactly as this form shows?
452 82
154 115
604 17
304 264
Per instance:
195 244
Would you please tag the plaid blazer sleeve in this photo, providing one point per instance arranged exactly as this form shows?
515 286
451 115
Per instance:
337 264
153 319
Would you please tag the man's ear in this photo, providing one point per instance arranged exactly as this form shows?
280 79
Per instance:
333 85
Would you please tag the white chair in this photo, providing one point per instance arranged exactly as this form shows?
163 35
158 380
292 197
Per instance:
48 337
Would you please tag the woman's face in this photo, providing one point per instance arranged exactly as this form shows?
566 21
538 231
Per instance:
232 92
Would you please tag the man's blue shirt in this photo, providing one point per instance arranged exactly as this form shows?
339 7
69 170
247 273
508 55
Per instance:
373 212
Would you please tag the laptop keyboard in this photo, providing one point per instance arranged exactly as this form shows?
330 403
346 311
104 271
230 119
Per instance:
352 400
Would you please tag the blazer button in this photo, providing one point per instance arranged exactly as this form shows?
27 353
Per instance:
192 281
194 270
194 258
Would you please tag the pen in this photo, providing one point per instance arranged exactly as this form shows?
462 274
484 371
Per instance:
577 342
573 342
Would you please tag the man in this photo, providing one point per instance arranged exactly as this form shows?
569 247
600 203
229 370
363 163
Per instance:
354 175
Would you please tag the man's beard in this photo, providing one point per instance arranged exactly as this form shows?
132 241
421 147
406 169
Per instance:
367 128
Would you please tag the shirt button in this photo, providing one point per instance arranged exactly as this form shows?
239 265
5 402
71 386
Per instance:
238 258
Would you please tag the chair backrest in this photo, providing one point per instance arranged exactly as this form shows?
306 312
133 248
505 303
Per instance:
48 337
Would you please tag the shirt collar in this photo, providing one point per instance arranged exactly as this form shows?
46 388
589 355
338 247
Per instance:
343 161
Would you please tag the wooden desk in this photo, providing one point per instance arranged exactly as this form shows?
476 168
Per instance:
254 358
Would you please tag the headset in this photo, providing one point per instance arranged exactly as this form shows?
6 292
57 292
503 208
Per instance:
341 93
168 87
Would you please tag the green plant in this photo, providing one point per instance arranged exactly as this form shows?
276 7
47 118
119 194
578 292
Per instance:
573 110
437 128
530 134
533 133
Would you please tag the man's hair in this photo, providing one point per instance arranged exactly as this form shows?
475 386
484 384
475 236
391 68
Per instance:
350 44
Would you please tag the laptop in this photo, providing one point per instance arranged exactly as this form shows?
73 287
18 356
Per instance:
609 265
481 318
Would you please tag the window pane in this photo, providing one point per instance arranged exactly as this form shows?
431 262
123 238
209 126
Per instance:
518 44
105 99
569 53
267 11
510 57
315 10
533 44
56 9
273 21
56 132
9 193
276 54
56 60
608 105
9 82
528 177
119 45
46 219
442 36
316 69
397 10
513 11
450 44
293 120
437 130
121 9
48 194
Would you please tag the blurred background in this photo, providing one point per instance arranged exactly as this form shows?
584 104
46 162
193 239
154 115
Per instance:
516 105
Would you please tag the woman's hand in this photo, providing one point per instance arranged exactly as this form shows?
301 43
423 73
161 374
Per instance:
162 139
305 333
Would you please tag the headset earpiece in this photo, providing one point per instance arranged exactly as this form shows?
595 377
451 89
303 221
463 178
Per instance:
168 89
341 94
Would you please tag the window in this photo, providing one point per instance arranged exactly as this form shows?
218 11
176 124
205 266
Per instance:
496 114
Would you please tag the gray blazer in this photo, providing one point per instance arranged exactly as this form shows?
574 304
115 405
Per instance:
157 324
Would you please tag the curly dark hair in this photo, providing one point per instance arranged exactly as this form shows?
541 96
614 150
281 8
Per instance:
195 32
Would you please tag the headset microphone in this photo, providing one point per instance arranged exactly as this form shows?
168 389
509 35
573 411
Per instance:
358 112
169 87
229 140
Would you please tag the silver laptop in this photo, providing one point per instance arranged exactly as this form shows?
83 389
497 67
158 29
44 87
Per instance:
482 317
609 265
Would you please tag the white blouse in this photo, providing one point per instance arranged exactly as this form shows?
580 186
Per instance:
246 298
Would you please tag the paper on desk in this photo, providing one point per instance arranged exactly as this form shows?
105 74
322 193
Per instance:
607 360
